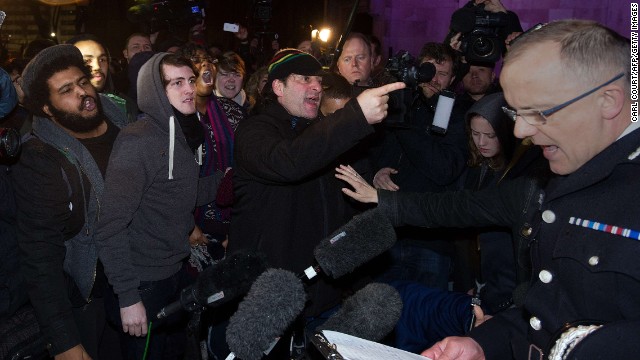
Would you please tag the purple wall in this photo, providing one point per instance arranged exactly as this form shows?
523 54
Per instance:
407 24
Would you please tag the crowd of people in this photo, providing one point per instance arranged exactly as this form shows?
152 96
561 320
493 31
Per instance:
516 230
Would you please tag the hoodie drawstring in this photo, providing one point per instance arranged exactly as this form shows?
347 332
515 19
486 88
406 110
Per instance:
201 145
172 144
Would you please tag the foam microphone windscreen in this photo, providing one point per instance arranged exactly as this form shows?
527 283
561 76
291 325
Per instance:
274 301
366 236
228 279
371 313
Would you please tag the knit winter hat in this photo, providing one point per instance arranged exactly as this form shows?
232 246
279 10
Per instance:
34 69
292 61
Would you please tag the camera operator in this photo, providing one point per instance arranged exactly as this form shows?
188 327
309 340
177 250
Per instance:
480 30
414 158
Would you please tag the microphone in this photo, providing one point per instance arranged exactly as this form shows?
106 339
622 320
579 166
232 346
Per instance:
371 313
274 301
219 283
366 236
278 296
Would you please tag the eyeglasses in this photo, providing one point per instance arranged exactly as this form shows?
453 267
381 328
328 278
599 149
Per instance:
539 117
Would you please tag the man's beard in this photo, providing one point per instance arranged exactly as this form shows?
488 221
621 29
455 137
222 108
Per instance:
75 122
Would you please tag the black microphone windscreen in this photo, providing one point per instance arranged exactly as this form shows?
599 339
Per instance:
371 313
228 279
366 236
463 20
274 301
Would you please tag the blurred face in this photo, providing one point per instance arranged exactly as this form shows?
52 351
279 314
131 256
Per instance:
484 137
300 95
96 57
228 83
16 79
478 80
330 105
73 101
355 62
305 46
180 88
262 82
572 136
199 58
136 44
441 80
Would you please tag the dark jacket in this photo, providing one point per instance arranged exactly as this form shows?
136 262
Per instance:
58 186
287 198
589 275
426 162
151 190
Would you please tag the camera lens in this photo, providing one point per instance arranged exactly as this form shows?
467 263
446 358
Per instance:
482 47
9 142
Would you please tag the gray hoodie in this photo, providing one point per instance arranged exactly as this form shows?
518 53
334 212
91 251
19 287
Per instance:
151 189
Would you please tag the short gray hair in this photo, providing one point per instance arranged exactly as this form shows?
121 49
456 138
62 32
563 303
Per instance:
589 50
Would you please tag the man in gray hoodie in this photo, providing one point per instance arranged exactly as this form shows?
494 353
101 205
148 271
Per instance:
151 188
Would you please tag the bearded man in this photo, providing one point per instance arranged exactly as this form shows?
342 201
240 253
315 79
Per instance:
58 185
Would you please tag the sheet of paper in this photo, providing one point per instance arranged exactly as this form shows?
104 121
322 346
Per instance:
354 348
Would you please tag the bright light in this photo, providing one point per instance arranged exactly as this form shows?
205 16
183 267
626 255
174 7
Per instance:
314 34
325 34
53 34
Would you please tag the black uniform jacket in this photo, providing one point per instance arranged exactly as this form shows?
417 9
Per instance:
584 257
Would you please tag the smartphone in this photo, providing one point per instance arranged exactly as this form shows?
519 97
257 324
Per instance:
234 28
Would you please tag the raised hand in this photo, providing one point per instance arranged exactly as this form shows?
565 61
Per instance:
373 102
364 192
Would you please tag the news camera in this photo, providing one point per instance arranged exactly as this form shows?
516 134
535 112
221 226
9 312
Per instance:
403 67
168 14
482 39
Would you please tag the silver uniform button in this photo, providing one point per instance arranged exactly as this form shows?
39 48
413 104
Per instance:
548 216
594 260
535 323
545 276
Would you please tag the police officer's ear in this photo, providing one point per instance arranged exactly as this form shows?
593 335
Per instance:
278 87
612 101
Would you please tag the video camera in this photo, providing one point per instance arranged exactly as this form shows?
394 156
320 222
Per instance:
482 39
168 13
403 67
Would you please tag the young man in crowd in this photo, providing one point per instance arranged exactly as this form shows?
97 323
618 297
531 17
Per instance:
151 189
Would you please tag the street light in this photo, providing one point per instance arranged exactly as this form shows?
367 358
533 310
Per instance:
323 35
